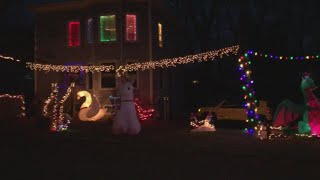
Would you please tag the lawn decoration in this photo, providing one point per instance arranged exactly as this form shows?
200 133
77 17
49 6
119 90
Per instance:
305 118
59 120
90 111
203 125
126 121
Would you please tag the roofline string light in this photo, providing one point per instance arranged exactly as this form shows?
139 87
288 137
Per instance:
281 57
173 62
144 65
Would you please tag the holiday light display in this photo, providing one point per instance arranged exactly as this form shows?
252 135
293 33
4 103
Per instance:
86 107
52 97
202 125
281 57
58 122
66 68
173 62
144 114
249 94
17 97
144 65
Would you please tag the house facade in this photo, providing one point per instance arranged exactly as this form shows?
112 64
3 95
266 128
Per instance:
106 32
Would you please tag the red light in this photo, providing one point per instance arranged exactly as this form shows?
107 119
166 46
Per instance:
74 33
131 29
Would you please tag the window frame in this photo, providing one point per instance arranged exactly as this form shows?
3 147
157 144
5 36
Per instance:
88 35
126 28
115 74
69 33
101 32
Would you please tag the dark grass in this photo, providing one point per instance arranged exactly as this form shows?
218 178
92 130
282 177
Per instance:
163 150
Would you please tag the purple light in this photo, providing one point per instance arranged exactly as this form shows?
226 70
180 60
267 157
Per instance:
251 82
241 79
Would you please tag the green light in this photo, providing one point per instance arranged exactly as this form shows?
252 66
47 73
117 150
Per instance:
251 120
108 28
255 101
250 94
265 55
249 62
246 55
317 56
244 87
291 58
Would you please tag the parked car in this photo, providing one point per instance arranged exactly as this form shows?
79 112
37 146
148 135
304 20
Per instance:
230 111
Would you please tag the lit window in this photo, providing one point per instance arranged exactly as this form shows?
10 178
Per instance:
108 28
108 79
131 29
74 33
160 38
89 31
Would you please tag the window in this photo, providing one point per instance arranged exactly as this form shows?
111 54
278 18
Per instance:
131 27
160 38
108 28
74 33
108 79
89 31
133 75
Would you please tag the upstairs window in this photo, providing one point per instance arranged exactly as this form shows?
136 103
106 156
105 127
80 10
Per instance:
89 31
74 33
131 27
108 28
160 37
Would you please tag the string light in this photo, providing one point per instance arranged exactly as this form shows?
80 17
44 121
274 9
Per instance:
173 62
210 55
9 58
249 94
62 124
53 95
66 68
17 97
57 118
144 114
281 57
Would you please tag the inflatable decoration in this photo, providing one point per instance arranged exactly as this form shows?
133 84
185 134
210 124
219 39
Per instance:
90 111
304 118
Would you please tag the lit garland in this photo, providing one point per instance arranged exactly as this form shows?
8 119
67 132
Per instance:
72 69
144 114
64 125
53 95
9 58
165 63
20 97
249 94
57 118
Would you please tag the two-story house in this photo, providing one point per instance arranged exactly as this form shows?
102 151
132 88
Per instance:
106 32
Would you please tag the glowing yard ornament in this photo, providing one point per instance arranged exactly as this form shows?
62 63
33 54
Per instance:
205 125
88 107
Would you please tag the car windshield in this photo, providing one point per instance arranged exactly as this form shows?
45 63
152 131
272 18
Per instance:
231 103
